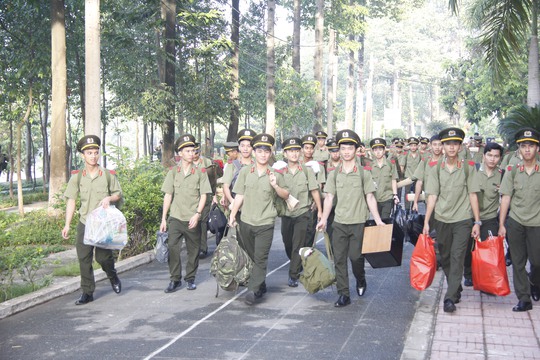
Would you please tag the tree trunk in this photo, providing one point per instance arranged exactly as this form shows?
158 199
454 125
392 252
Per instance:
58 164
369 96
29 159
360 88
297 12
103 119
11 158
331 81
44 117
411 111
317 61
235 75
533 88
168 13
81 85
270 71
349 98
92 62
19 151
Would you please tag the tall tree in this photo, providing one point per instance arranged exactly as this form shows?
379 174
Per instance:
235 74
297 18
506 26
92 61
168 13
59 101
318 61
270 70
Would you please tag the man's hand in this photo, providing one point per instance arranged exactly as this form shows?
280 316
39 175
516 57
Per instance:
415 206
321 225
272 179
163 226
65 232
502 230
105 202
425 231
475 231
232 221
194 220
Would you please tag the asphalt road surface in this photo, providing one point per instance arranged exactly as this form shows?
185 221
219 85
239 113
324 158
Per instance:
145 323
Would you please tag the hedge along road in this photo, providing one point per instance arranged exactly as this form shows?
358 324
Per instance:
144 323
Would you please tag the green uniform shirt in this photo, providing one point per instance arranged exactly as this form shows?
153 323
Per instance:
452 189
186 190
410 163
478 157
525 192
383 176
92 190
511 159
230 169
300 185
258 208
351 190
488 197
321 155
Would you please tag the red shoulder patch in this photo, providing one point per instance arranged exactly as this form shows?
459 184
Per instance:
229 161
393 161
321 162
367 167
171 167
432 163
74 172
112 172
281 171
472 163
203 170
509 168
404 153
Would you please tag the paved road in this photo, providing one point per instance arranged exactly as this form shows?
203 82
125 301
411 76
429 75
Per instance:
143 322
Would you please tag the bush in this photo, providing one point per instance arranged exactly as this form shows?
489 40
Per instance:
141 188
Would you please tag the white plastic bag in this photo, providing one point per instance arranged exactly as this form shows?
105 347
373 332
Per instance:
106 228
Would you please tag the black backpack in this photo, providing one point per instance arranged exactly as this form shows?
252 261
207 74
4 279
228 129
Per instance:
217 222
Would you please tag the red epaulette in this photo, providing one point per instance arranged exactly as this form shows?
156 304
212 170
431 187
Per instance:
171 167
331 169
74 172
500 171
367 167
404 153
192 170
321 162
509 168
278 171
472 163
112 172
229 161
432 163
203 170
393 161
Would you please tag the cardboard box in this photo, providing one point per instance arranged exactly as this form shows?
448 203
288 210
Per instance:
383 245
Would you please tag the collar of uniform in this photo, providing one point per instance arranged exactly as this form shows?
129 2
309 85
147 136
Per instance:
521 167
458 163
355 169
190 172
100 171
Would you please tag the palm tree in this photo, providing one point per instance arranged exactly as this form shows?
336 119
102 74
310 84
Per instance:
518 118
506 26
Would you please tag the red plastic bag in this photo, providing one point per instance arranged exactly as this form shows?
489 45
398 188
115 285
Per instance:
489 268
423 263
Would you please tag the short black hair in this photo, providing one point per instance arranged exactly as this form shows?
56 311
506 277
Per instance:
493 146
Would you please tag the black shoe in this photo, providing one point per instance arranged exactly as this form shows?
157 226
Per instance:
173 286
191 285
116 284
203 254
293 282
458 300
84 299
342 301
361 287
262 288
535 292
522 306
508 259
251 297
449 306
468 282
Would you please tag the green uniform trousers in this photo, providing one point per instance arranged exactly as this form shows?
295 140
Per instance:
85 253
293 232
204 223
312 227
524 243
347 243
385 208
177 229
453 240
258 240
487 226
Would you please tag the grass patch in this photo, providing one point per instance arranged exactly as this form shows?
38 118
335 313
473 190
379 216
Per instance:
72 269
16 290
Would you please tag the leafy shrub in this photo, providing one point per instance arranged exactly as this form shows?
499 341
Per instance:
36 228
141 188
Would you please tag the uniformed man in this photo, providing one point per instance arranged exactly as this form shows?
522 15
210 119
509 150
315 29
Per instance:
231 172
303 186
256 188
355 190
420 173
489 180
478 156
396 154
331 165
452 194
385 175
409 160
308 149
96 188
186 187
202 162
520 194
423 147
231 153
321 152
363 156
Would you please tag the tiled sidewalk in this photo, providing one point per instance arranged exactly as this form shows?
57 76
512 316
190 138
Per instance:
485 327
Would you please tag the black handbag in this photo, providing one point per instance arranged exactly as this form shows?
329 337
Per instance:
217 222
394 255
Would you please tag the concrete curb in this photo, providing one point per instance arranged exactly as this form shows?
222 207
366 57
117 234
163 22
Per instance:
420 335
27 301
